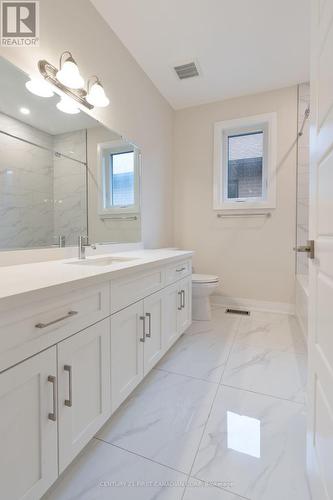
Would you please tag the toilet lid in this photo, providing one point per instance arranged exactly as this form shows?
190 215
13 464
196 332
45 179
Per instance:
204 278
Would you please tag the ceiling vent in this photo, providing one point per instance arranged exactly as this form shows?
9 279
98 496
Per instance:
187 71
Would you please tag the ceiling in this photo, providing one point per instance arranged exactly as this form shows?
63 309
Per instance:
241 46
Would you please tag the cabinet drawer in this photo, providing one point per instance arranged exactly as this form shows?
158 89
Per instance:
126 291
178 271
32 328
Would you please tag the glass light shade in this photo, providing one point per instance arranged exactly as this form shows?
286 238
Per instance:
66 105
97 96
69 75
39 87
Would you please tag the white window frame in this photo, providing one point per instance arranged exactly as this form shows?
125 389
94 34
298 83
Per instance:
222 130
104 150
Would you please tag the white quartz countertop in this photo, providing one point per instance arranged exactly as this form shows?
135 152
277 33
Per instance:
19 281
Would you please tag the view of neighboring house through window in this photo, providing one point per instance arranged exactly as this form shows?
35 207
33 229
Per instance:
245 165
122 179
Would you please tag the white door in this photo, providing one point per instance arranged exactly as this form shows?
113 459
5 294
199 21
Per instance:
127 340
84 388
28 428
320 384
185 312
154 318
172 301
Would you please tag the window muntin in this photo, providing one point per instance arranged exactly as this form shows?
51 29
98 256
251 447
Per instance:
245 154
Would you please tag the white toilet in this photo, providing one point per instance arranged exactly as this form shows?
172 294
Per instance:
203 285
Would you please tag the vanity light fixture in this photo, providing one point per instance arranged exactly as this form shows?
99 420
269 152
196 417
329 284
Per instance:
39 87
68 79
96 94
66 105
69 74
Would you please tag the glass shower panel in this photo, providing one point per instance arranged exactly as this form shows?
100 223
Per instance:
26 194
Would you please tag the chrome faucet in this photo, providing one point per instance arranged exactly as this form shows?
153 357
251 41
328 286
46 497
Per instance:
82 245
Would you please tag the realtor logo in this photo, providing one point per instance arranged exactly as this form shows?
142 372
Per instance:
20 23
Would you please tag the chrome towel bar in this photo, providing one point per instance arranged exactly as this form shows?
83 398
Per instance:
131 217
262 214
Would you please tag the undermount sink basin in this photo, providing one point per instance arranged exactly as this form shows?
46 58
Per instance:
102 261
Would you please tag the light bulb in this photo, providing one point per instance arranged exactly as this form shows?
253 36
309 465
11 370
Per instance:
69 75
25 111
97 96
66 105
39 87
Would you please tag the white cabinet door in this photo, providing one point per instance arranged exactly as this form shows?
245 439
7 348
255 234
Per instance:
83 389
154 319
127 340
185 312
172 308
28 428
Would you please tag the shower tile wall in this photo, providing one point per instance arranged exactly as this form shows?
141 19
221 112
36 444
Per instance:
303 180
41 196
26 187
70 187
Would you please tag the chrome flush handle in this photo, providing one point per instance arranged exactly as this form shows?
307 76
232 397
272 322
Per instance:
143 319
69 401
52 379
149 325
181 301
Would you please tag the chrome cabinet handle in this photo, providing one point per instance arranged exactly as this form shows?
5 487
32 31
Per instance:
53 416
181 302
143 319
68 315
69 401
149 325
183 299
180 270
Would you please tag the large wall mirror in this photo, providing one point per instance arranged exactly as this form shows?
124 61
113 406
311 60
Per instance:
62 175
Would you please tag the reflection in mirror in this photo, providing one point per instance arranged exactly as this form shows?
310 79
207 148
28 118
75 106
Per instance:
114 187
44 175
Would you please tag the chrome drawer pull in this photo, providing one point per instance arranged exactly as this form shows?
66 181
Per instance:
69 401
149 325
45 325
53 416
181 302
180 270
143 319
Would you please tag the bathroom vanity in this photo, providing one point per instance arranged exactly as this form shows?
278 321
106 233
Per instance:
76 335
76 338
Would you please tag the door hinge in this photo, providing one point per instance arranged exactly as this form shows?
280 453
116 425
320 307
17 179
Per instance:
309 249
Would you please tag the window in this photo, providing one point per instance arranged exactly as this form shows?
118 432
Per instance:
245 163
122 179
119 173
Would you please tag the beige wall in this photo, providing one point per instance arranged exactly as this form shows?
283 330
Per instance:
253 257
137 109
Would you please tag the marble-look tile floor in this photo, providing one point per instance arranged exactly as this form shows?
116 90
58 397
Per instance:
221 417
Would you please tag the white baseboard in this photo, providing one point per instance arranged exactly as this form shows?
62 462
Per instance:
254 305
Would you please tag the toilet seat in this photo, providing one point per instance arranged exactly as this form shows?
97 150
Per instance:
204 278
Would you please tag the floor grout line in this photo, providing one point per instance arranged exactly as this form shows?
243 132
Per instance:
142 456
188 376
263 394
211 407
